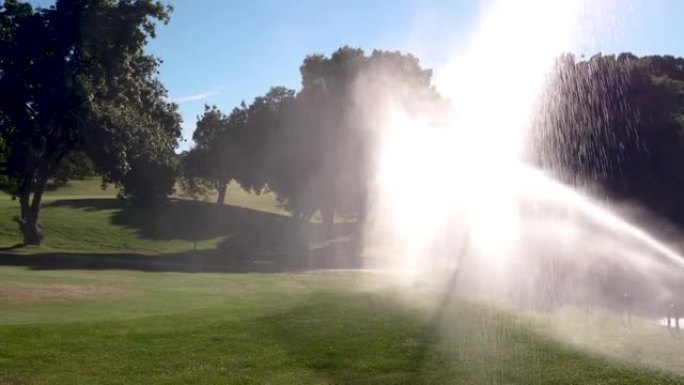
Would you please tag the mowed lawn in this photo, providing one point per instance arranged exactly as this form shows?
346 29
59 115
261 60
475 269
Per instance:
114 327
90 323
83 217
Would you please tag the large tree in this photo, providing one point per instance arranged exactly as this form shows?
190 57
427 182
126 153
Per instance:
239 146
75 77
314 148
211 160
324 151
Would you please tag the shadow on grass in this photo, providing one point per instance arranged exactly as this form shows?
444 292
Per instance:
178 219
356 339
204 261
252 240
16 246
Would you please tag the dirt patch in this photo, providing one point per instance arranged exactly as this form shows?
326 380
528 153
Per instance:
33 292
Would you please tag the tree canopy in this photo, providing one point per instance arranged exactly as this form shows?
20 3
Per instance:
617 123
74 77
313 148
79 95
612 122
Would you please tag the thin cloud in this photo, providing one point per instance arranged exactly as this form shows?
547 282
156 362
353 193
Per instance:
193 98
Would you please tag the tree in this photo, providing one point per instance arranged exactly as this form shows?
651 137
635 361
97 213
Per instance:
617 123
261 138
238 146
75 165
324 149
313 148
214 157
74 77
191 185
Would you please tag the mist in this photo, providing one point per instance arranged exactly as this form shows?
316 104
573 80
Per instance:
504 221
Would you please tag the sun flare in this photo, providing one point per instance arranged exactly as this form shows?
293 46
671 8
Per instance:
475 156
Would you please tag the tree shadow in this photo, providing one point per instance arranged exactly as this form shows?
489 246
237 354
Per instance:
179 219
178 262
251 240
337 337
89 204
204 261
16 246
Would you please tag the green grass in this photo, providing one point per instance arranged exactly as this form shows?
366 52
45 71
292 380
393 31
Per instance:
598 332
317 328
68 318
83 217
236 196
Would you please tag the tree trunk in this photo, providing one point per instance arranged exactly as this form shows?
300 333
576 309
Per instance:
32 230
29 225
222 187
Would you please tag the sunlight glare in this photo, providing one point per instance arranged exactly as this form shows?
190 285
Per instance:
439 182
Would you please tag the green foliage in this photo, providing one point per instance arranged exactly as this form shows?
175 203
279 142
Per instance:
212 162
325 148
74 77
314 148
191 186
616 123
75 165
149 179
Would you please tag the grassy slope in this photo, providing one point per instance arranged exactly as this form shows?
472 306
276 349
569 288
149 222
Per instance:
320 328
83 217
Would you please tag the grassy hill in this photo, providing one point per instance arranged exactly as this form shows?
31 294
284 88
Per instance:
83 217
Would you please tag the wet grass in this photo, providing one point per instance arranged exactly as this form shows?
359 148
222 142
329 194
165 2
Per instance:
602 332
71 315
316 328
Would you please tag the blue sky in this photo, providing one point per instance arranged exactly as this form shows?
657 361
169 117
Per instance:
225 51
222 52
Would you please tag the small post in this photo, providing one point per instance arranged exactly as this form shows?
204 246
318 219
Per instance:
672 314
628 302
